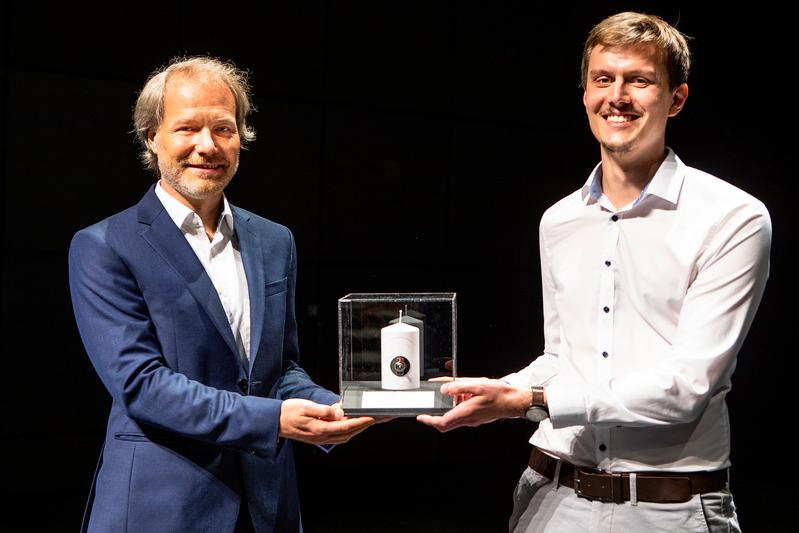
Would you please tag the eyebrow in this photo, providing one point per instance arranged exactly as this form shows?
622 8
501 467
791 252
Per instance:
216 117
646 73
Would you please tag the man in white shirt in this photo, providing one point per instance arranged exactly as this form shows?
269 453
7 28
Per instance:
652 273
185 305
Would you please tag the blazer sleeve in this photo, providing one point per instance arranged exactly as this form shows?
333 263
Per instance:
119 336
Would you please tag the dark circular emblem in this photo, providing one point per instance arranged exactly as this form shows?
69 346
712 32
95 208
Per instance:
400 365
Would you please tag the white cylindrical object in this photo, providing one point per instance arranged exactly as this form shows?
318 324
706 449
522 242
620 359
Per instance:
399 357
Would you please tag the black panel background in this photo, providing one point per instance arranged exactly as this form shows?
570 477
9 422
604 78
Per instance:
449 126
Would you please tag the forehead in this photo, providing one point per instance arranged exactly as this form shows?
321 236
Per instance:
639 57
183 94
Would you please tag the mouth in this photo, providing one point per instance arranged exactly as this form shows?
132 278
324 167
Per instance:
208 167
620 118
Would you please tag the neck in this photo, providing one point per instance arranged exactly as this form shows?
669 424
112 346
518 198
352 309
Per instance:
624 175
208 208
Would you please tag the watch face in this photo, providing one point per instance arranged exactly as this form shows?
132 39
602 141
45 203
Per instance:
400 366
536 414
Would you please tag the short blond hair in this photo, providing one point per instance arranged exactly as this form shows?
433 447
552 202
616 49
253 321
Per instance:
632 29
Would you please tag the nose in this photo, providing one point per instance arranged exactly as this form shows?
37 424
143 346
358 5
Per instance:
204 141
619 94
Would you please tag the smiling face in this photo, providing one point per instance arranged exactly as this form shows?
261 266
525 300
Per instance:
197 142
628 100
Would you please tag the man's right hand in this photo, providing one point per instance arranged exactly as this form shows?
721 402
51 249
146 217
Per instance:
314 423
479 401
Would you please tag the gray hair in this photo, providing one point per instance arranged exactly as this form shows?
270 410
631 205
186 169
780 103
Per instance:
149 109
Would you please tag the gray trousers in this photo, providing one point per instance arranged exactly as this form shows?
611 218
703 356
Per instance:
539 506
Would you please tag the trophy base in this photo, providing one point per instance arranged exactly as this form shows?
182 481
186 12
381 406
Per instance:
368 398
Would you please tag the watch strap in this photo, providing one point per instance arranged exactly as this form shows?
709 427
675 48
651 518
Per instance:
539 398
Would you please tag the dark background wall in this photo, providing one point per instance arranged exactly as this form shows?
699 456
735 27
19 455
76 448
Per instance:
448 126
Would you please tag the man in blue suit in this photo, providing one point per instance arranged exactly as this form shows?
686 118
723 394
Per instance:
185 305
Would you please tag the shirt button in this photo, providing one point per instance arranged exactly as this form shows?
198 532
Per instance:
602 447
607 263
606 309
604 354
614 218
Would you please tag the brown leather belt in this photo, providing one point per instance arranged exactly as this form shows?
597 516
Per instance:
655 487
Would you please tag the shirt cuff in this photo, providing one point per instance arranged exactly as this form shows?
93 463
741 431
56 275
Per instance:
516 380
566 407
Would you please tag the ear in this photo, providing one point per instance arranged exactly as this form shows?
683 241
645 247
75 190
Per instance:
679 96
151 142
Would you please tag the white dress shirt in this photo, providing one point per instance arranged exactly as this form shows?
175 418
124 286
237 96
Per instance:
645 309
222 262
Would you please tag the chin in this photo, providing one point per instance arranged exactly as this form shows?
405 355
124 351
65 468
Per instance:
618 148
198 189
206 189
621 143
199 194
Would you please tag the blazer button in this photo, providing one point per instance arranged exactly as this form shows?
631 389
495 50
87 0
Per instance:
243 385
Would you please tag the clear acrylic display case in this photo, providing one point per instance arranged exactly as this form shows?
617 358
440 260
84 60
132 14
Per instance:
391 345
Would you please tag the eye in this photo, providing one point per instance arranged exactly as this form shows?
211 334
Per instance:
603 81
226 130
640 82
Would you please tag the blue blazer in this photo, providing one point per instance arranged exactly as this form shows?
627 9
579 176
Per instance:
189 433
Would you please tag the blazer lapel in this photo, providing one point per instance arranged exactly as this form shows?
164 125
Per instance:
168 241
252 258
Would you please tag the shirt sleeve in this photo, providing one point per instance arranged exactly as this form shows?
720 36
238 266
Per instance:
716 314
544 367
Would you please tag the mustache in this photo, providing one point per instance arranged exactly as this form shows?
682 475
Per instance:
623 108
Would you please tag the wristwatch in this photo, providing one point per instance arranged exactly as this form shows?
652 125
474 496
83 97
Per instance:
538 409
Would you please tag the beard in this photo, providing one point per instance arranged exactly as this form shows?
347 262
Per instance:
619 148
190 183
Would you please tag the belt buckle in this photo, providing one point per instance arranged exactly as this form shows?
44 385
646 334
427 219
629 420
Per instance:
615 486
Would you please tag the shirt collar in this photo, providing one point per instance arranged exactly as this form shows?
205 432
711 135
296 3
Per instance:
666 183
184 217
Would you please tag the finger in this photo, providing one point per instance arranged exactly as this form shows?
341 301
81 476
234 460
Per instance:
434 421
470 385
354 432
438 422
425 419
340 427
457 387
325 412
359 420
342 439
359 424
339 437
441 378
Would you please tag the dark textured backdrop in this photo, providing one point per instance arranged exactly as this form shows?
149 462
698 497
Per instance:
448 126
